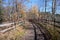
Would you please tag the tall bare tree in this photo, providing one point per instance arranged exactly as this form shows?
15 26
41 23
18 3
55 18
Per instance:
53 9
45 5
1 13
53 6
53 15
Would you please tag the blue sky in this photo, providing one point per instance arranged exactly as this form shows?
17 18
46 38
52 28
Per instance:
39 3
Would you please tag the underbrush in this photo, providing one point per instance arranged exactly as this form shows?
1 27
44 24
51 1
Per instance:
15 34
53 31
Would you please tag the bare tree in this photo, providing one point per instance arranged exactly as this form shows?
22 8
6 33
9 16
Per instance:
1 13
53 9
45 5
53 15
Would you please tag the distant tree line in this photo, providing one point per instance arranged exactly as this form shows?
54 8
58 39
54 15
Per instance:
18 9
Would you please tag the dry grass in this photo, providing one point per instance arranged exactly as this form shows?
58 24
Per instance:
15 34
53 31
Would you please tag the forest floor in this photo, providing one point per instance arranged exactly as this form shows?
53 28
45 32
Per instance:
14 34
22 32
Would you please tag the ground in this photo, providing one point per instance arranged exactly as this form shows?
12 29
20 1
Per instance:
22 32
13 34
